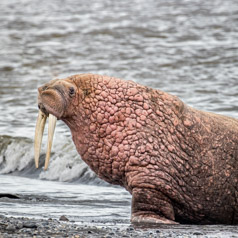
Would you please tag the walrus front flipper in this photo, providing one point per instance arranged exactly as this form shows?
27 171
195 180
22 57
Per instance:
150 208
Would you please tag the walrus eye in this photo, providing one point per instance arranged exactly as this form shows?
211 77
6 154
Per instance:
71 92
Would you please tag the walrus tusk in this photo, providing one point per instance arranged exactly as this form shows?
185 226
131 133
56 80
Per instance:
40 125
51 129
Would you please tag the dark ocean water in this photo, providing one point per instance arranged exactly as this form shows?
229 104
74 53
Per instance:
187 48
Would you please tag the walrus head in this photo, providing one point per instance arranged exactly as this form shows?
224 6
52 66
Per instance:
55 100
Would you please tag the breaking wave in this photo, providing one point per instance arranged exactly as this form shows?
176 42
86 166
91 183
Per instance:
17 158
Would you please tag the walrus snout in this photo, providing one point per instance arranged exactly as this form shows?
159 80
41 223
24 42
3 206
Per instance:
51 104
52 101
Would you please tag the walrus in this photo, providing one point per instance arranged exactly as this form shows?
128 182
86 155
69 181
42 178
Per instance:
179 164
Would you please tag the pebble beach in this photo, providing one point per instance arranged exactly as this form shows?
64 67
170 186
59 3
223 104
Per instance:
11 227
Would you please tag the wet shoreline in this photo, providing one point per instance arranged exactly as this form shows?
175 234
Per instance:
29 227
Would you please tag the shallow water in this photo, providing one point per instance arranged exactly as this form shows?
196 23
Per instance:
188 48
49 199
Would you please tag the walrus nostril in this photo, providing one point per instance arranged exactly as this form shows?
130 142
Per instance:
42 108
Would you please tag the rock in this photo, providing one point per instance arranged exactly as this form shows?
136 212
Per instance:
8 195
197 233
30 225
63 218
46 223
11 227
19 225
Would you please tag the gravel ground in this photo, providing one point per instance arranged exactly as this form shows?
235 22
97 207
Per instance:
27 227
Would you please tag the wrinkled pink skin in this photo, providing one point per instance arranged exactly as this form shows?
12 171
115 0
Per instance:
179 164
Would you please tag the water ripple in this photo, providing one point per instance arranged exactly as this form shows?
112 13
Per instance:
184 47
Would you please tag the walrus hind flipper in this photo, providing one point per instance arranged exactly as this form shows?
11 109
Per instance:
150 219
152 207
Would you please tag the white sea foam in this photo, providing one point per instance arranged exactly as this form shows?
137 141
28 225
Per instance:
17 156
